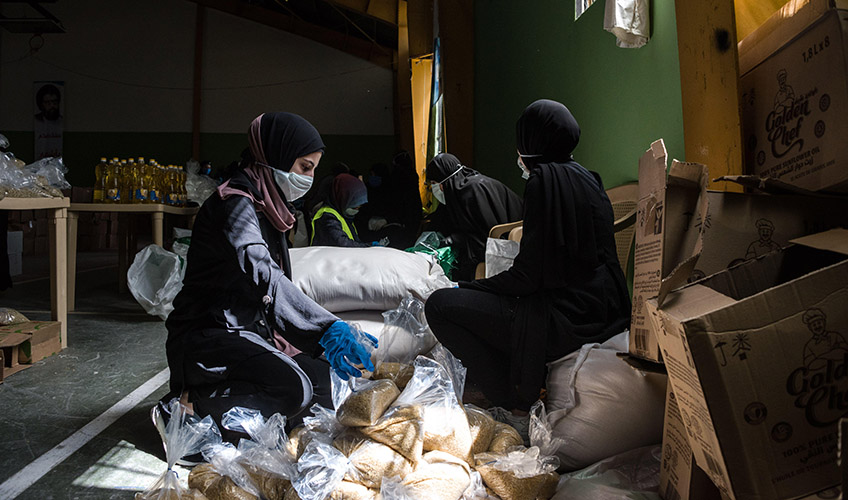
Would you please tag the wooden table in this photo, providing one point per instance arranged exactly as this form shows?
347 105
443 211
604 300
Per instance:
126 238
59 267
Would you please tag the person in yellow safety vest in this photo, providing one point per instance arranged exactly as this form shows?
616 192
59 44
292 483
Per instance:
332 224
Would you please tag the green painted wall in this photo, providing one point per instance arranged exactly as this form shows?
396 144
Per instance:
82 150
623 98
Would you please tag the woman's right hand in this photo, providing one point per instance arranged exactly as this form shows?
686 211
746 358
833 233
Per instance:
343 351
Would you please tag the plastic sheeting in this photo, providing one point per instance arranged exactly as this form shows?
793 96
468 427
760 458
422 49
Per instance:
601 406
372 278
632 475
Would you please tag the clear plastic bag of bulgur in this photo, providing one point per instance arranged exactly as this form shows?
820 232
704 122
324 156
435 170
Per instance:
438 476
368 401
482 427
405 335
444 425
264 456
402 429
232 481
445 422
320 469
347 490
477 489
10 316
452 366
505 437
184 435
371 461
519 474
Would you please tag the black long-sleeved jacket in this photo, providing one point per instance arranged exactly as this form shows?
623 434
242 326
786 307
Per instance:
239 278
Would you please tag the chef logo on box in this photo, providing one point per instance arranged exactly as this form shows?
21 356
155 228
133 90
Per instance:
783 123
820 386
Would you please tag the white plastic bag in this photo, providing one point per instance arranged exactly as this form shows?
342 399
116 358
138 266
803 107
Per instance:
199 187
500 255
601 406
372 278
154 279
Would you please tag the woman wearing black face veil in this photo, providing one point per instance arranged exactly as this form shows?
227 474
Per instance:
566 287
241 333
472 204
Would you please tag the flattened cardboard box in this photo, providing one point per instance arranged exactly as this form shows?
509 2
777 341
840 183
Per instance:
661 251
758 359
680 477
794 89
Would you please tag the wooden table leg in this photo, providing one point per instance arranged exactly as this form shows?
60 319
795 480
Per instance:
59 270
123 249
73 219
158 219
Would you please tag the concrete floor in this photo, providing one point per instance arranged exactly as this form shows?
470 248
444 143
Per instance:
59 435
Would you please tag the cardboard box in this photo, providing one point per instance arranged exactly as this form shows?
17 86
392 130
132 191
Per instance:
744 226
26 343
10 343
794 86
659 248
758 359
38 331
680 477
31 352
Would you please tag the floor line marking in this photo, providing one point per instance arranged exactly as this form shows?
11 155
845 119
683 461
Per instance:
39 467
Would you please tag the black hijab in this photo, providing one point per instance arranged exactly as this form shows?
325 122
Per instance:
548 133
474 202
286 137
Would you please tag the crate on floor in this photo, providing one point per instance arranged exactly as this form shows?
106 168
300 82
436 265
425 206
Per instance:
25 343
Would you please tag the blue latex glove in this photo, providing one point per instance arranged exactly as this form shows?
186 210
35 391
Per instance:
343 350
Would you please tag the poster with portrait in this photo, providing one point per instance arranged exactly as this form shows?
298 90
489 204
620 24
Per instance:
49 111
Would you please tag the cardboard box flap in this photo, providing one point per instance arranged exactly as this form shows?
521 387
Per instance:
652 170
694 174
694 301
835 240
771 185
780 29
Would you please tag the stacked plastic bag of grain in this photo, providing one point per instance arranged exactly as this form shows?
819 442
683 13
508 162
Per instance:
393 438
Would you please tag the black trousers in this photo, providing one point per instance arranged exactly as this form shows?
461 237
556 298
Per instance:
222 370
475 327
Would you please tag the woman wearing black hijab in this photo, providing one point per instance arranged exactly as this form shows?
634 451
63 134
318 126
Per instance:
472 204
241 333
565 288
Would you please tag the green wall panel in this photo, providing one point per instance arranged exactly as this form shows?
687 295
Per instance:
623 98
82 150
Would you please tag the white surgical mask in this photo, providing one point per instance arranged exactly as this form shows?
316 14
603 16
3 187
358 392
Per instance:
351 212
438 193
293 185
